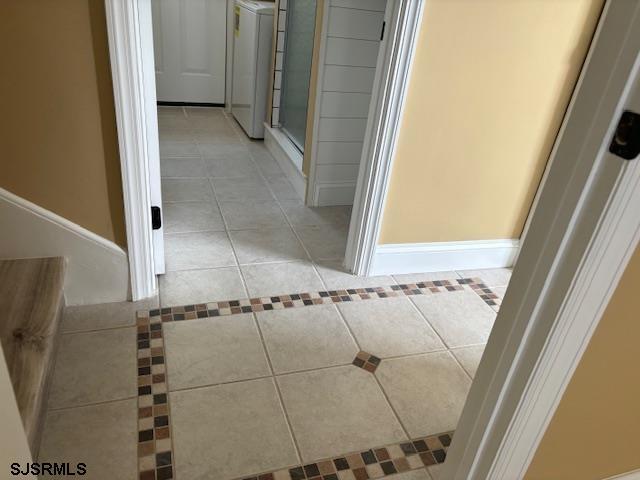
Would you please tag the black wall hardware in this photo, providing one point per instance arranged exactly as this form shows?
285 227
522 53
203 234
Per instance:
156 218
384 24
626 139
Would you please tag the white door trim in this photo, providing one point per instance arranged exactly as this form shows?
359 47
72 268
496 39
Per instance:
387 102
125 51
582 234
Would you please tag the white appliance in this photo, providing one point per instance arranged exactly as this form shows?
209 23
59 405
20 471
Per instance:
252 36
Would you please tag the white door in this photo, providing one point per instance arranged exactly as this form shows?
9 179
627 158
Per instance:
190 49
151 113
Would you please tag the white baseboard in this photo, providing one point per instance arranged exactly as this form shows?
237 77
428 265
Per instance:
442 256
97 269
634 475
288 157
327 194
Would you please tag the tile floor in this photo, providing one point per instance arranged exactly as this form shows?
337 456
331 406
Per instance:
263 393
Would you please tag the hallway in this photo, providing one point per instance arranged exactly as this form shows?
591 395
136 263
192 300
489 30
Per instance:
261 359
234 226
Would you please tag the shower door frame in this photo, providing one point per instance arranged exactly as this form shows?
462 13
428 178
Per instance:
284 82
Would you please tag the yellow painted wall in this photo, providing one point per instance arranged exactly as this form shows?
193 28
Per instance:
57 128
490 83
595 432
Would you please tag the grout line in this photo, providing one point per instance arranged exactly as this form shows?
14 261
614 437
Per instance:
92 404
105 329
220 384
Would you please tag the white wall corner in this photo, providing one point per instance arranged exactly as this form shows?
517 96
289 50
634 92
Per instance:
97 269
440 256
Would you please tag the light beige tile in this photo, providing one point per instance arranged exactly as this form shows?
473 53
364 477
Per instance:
322 242
230 431
252 214
236 152
94 367
492 277
282 189
306 338
104 437
335 276
186 190
192 217
186 251
200 286
469 357
267 164
231 167
104 315
267 245
182 167
281 278
500 291
460 318
214 135
299 214
390 327
209 351
425 277
178 148
427 391
241 189
337 410
436 471
178 134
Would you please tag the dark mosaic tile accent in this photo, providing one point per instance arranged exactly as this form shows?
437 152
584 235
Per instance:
487 294
368 464
155 453
304 299
366 361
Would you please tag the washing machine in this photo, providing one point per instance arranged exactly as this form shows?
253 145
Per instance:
252 37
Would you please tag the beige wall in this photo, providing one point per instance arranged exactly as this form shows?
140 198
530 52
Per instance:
594 434
489 86
57 128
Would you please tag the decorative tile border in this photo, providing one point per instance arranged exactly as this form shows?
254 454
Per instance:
295 300
366 361
372 463
155 451
155 454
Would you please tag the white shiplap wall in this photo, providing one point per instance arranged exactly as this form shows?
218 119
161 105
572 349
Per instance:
351 44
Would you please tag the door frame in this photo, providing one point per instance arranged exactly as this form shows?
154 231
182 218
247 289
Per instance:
388 96
132 92
571 261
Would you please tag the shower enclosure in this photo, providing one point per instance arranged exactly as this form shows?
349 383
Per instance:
296 72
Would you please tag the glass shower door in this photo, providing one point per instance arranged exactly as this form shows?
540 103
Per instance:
296 72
